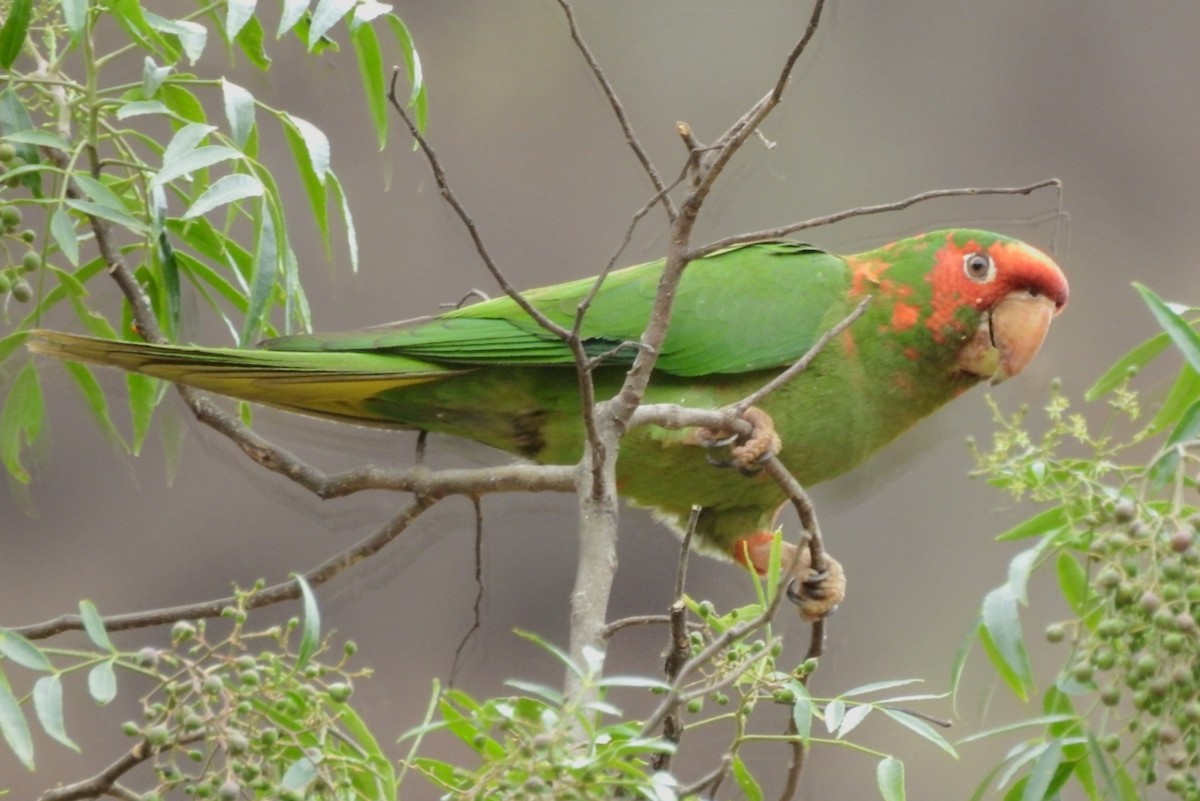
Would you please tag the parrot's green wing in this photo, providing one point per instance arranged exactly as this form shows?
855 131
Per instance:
746 308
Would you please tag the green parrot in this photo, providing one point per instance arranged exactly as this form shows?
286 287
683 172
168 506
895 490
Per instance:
948 309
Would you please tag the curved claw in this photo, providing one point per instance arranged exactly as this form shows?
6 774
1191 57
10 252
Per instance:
705 442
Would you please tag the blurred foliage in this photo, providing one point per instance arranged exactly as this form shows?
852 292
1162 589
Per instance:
250 714
169 166
540 743
1121 535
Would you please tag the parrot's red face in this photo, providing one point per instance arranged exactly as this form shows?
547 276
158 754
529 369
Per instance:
1018 289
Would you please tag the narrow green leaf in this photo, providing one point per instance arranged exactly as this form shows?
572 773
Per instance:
1021 566
14 118
139 108
225 190
1042 523
102 682
922 728
143 394
374 78
12 35
62 228
238 13
348 219
128 14
802 710
417 98
960 662
890 776
384 784
1008 728
93 624
325 16
1182 334
48 705
20 650
1001 632
21 421
163 262
97 402
293 11
13 725
183 103
877 686
1184 392
153 77
751 790
266 268
835 710
312 169
192 161
239 111
250 40
1135 359
1163 470
1072 580
192 35
75 15
1038 786
38 138
99 192
854 716
299 775
310 637
108 213
316 144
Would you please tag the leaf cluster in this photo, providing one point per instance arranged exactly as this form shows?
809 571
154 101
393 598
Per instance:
1121 535
159 182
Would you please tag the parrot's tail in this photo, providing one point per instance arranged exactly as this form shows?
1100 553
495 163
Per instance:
340 385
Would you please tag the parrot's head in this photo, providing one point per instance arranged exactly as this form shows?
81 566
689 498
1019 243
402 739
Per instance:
985 298
1015 289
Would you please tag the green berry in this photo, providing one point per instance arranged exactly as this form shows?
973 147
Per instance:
21 291
157 735
31 261
1124 511
1055 632
1110 695
182 631
695 705
10 216
8 152
340 692
1111 743
5 282
28 235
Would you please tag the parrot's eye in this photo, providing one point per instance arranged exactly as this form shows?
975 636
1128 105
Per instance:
979 267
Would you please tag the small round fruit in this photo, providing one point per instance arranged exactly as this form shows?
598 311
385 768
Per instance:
8 152
21 291
1055 632
31 261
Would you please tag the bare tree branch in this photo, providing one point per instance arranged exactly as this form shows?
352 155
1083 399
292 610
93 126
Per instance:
105 782
864 211
276 593
618 110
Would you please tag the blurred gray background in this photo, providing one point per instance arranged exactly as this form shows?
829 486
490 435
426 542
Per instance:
892 99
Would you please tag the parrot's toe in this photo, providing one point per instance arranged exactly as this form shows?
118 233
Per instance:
747 453
817 594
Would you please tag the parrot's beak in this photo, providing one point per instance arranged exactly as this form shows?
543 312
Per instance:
1008 337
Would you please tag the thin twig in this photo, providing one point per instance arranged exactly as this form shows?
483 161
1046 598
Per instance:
863 211
711 780
619 112
276 593
801 364
105 782
477 618
439 176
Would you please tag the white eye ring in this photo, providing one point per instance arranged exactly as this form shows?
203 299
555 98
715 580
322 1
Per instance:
979 267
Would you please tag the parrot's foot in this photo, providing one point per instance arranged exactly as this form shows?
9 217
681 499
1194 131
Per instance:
747 453
816 594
